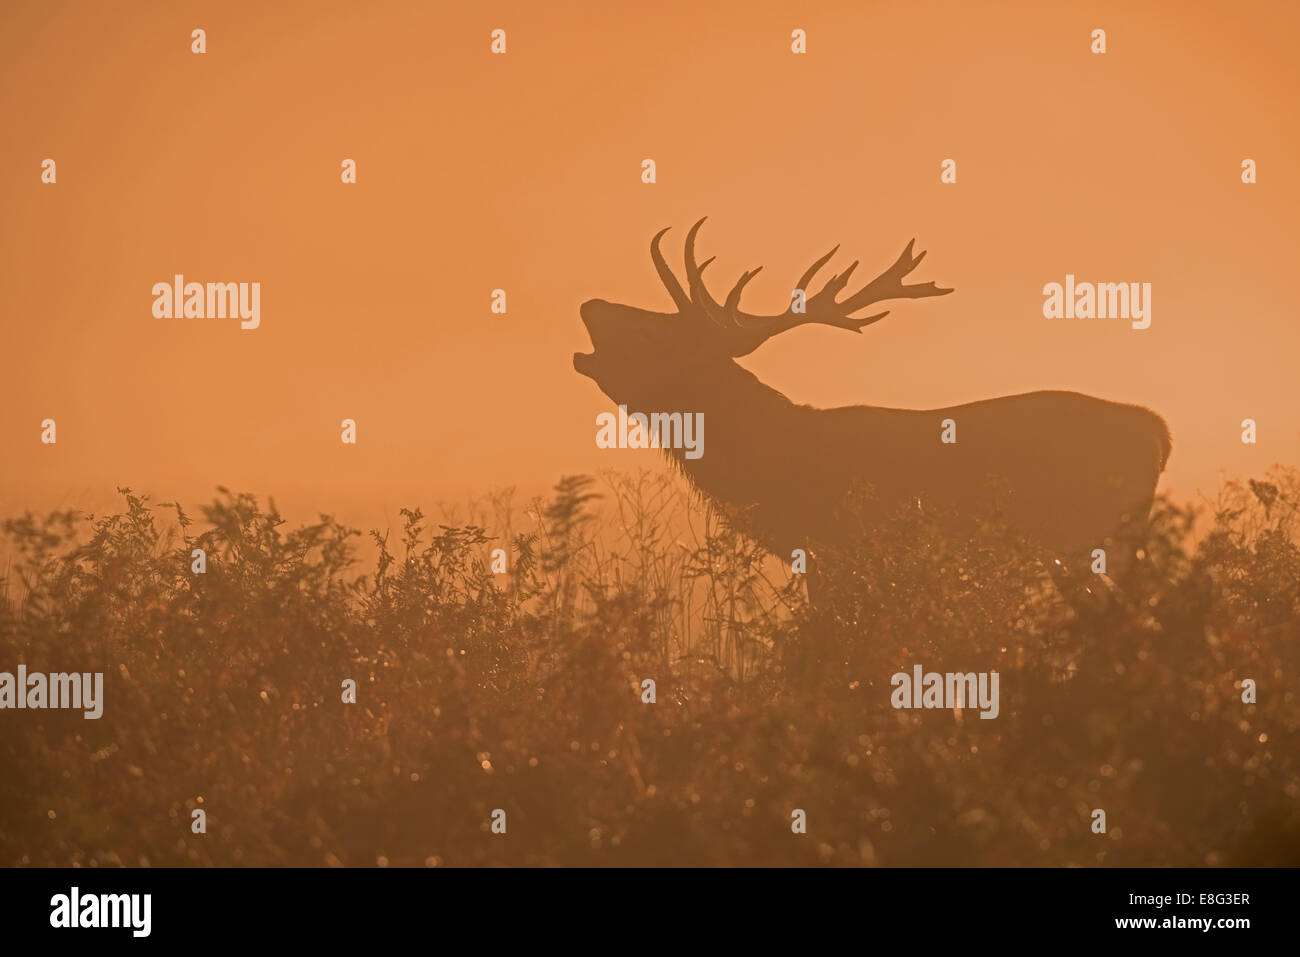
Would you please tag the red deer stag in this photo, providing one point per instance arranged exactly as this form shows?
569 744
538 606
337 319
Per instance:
1066 469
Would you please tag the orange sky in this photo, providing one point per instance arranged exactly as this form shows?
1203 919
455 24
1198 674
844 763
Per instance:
523 172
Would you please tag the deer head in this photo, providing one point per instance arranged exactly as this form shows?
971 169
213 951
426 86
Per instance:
635 350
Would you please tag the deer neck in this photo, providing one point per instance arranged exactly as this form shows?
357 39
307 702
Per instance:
731 399
746 424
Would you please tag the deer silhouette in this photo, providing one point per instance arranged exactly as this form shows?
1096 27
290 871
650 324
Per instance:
1066 470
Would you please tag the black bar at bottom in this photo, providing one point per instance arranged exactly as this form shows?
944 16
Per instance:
330 907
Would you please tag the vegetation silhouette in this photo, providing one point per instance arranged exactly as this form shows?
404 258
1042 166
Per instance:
524 691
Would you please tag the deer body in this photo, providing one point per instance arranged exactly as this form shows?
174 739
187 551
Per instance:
1065 469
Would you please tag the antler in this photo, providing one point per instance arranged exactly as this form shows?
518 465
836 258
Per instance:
745 332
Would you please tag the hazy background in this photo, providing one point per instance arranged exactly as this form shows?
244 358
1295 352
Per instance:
523 172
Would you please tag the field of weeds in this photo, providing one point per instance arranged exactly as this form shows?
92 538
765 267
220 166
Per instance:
523 691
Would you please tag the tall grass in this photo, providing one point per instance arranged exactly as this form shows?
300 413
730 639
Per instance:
523 691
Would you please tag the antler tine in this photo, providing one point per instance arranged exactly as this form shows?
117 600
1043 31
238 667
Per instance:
733 298
889 285
812 271
833 286
695 280
680 299
731 307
